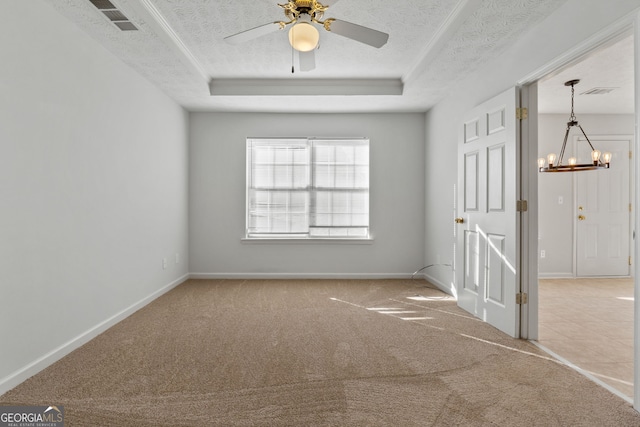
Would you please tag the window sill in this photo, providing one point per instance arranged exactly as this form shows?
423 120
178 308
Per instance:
309 240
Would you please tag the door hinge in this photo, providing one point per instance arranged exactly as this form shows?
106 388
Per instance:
629 207
522 206
522 113
630 154
629 260
522 298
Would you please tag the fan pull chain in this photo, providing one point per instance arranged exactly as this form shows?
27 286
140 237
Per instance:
292 69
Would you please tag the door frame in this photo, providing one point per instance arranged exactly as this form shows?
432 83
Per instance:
529 178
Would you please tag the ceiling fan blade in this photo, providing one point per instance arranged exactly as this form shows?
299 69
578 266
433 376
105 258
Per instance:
253 33
307 60
359 33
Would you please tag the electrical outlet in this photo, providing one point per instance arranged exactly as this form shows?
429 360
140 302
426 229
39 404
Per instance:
543 254
560 200
164 263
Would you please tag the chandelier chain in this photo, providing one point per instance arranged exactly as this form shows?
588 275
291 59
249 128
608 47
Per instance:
573 116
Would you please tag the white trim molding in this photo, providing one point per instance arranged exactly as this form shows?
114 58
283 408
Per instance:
610 34
556 276
447 289
300 87
307 241
12 380
159 24
284 276
636 216
457 17
584 372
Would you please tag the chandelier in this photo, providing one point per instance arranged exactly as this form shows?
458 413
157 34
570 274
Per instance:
598 160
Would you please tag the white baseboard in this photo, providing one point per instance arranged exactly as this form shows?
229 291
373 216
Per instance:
587 374
12 380
283 276
446 288
556 276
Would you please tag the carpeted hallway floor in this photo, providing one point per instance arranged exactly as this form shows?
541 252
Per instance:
314 353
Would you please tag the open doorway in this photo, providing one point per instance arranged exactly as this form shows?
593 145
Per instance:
586 305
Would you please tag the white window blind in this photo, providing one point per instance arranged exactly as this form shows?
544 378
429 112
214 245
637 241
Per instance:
313 188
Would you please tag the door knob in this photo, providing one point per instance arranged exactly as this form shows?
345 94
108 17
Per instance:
459 220
581 218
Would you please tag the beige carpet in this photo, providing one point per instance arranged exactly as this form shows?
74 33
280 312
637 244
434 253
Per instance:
314 353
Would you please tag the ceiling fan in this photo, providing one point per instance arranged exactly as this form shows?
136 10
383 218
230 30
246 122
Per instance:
303 34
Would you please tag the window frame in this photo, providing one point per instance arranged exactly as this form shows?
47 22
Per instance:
311 193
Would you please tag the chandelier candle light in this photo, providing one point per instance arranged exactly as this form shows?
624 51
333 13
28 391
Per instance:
599 160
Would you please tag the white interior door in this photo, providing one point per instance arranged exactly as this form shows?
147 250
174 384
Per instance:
487 235
603 212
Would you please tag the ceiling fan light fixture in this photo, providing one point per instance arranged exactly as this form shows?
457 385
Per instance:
304 37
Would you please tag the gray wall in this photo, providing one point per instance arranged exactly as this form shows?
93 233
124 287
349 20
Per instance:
217 197
573 23
93 189
555 221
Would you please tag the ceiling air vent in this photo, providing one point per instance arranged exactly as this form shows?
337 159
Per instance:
102 4
599 91
111 11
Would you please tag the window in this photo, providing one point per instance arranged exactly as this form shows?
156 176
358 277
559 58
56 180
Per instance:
307 188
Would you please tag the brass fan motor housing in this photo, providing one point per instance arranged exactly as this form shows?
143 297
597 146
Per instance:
303 3
294 8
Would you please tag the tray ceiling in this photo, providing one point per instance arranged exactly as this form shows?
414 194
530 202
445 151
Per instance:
432 44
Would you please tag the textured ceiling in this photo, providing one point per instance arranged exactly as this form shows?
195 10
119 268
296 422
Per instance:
432 45
610 67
